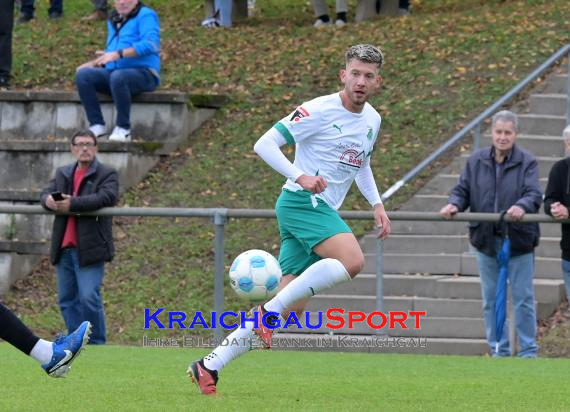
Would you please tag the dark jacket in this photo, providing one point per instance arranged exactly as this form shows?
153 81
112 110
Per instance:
99 188
558 190
518 185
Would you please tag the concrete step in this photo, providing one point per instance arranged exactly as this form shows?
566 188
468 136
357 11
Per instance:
164 116
417 243
394 285
438 286
548 103
443 183
425 203
548 247
545 267
24 227
544 164
449 263
434 307
428 227
541 124
25 247
20 195
375 344
32 170
541 146
550 230
437 307
557 83
430 327
455 228
378 344
15 266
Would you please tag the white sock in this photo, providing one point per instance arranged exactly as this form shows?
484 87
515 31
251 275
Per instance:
42 351
236 344
320 276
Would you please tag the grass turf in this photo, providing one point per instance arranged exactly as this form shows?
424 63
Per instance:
135 378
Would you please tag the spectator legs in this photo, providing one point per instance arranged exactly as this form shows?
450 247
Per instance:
89 81
78 290
126 83
55 7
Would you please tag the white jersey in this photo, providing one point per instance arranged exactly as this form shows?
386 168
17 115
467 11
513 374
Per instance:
331 142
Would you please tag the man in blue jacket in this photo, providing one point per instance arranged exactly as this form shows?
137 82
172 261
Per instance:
500 178
129 66
80 245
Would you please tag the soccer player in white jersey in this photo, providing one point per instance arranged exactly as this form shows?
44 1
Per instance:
334 137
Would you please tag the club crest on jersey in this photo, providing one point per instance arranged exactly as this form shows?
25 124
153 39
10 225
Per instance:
369 134
299 114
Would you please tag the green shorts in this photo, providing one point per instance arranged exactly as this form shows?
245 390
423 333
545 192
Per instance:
302 227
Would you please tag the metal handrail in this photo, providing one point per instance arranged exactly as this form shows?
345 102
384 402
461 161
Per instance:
270 213
476 123
219 217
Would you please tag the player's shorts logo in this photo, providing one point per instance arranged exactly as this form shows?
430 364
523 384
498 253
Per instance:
299 114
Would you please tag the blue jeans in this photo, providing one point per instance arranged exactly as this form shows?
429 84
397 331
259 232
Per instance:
521 271
78 293
225 8
121 84
566 272
27 7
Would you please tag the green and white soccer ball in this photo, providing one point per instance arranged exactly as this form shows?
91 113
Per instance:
255 275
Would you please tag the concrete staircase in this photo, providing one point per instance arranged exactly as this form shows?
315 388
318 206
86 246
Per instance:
429 267
34 141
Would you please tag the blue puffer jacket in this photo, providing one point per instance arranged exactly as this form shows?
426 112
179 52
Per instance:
142 32
518 185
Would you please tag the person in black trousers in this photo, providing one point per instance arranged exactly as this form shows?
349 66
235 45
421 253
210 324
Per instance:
6 27
28 8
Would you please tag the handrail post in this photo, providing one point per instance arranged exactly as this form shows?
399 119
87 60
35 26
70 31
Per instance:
379 281
568 92
219 219
477 137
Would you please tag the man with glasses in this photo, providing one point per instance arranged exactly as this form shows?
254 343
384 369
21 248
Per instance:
80 245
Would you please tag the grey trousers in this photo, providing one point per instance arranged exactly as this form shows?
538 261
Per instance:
321 7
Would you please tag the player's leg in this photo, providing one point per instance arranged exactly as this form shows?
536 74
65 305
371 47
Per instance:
342 260
204 372
298 307
13 331
337 257
345 248
55 358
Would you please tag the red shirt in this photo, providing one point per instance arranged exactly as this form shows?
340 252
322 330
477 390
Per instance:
70 236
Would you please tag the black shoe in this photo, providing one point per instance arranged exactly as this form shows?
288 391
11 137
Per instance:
25 18
55 15
4 82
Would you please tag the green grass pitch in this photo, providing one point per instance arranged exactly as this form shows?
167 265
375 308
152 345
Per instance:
124 378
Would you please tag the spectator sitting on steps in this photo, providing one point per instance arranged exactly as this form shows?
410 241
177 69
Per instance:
130 65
